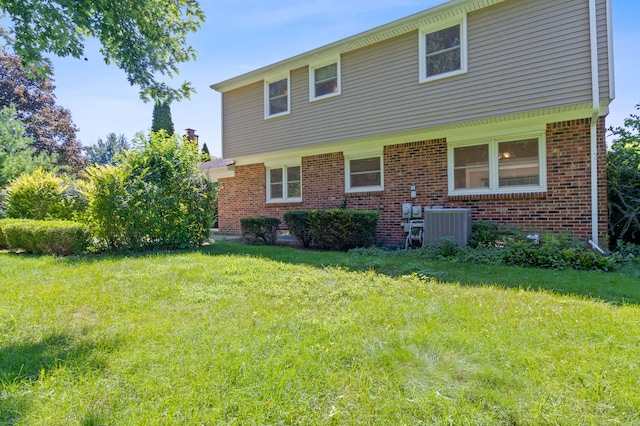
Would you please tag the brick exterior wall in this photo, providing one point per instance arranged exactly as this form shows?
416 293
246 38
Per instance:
566 206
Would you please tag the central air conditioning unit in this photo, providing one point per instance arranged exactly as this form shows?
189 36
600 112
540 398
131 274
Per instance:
447 223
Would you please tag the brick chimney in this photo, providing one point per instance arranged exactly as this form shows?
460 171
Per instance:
191 135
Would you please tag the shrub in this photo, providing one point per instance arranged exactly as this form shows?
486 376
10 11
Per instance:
3 207
504 245
113 221
490 234
57 237
341 229
299 227
260 229
157 197
3 224
623 182
554 256
42 195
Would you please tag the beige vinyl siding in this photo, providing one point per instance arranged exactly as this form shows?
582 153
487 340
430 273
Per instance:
522 55
603 49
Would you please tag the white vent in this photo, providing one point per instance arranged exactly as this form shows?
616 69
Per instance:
447 223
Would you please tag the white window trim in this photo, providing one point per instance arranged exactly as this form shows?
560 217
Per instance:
283 166
266 95
312 82
347 170
462 20
493 165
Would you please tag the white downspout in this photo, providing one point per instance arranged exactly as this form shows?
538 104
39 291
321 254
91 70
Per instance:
595 93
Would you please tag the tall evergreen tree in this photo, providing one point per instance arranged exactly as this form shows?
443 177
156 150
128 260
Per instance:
162 118
204 154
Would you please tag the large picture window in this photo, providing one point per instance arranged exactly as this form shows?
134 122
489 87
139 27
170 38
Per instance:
277 97
284 184
497 167
443 51
324 80
364 174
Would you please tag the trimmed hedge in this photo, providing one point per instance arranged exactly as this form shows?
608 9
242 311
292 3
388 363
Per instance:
260 228
3 223
59 237
342 229
298 223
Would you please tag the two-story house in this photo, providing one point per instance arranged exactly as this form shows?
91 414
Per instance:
493 105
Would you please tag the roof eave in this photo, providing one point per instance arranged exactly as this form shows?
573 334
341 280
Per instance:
401 26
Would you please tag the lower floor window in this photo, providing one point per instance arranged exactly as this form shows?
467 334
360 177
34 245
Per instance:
497 166
364 174
284 184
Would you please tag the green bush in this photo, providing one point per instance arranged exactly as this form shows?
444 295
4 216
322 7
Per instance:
490 234
115 223
57 237
3 224
341 229
504 245
156 197
260 229
554 256
298 223
623 182
3 207
42 195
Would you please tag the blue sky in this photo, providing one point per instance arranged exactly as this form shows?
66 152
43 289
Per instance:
241 35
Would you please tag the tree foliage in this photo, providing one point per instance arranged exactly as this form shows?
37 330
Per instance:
49 125
145 38
204 154
16 155
162 118
42 195
623 181
157 197
109 151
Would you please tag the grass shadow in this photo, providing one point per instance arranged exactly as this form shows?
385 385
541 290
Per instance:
619 287
23 364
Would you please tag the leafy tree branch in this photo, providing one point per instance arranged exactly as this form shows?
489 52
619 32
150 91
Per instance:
145 38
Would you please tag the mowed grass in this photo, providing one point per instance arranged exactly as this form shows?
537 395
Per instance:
231 334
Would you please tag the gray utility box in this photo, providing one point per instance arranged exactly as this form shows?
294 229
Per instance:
447 223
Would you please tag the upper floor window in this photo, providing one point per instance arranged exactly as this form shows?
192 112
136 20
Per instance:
443 51
364 174
497 167
276 98
324 80
284 184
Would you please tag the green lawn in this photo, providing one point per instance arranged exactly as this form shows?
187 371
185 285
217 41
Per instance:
233 334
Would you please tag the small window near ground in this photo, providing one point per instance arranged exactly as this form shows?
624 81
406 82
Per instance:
364 174
284 184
